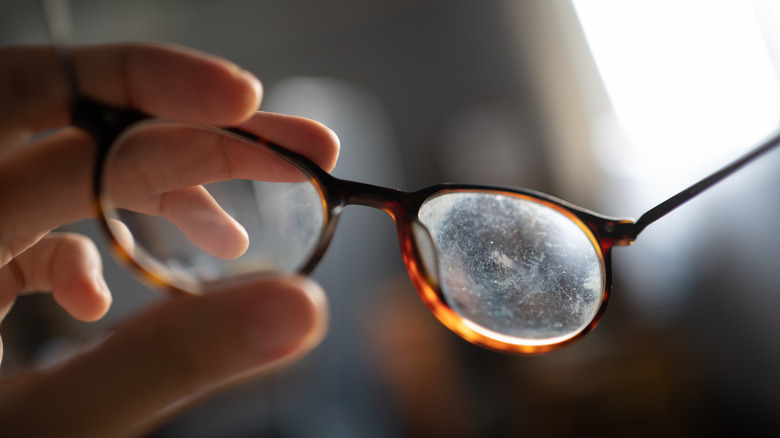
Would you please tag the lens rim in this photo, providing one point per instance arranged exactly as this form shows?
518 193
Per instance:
145 267
430 289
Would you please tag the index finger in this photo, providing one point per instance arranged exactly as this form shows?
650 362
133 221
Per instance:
65 160
162 80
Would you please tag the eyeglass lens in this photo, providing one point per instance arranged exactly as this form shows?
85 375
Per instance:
196 206
515 266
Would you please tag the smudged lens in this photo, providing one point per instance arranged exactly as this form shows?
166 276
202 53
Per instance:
196 207
513 267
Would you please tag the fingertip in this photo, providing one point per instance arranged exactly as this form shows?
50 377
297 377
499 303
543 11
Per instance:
318 301
240 241
102 299
76 277
240 95
195 212
86 298
287 320
253 95
332 153
304 136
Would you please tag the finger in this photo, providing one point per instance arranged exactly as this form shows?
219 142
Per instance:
49 183
8 274
176 353
163 80
195 212
156 158
12 248
45 184
67 264
304 136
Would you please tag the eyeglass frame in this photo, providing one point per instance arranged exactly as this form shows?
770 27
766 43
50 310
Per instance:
105 124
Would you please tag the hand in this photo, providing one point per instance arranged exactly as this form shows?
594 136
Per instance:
181 349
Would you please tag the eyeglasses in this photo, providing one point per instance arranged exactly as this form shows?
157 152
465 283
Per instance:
195 208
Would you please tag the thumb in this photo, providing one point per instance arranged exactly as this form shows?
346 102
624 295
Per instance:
169 357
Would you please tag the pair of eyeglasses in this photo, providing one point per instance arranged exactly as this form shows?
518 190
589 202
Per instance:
509 269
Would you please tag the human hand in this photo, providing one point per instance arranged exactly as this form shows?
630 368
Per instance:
179 350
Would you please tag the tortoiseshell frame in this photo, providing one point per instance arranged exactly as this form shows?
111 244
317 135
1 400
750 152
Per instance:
105 124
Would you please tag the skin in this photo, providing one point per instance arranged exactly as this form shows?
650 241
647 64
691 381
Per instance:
179 350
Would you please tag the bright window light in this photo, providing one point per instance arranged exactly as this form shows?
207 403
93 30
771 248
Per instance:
690 81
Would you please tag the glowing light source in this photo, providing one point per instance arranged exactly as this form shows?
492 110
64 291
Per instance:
691 84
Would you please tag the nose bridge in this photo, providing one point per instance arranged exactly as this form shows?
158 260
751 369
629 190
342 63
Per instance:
392 201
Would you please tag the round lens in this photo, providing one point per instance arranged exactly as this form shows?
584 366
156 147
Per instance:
514 268
195 206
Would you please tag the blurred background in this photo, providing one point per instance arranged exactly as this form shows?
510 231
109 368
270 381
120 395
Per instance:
611 105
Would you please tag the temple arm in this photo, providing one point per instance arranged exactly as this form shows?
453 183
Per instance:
677 200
